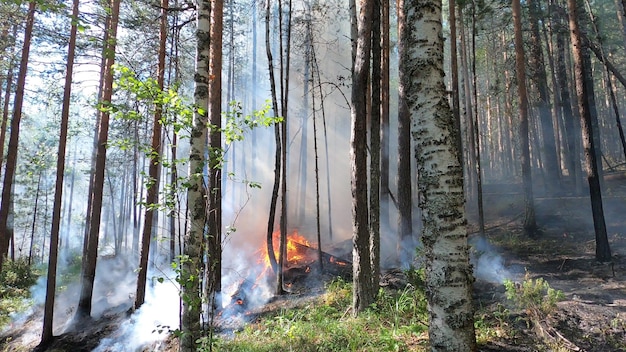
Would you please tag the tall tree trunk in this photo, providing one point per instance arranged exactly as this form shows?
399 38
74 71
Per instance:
11 164
375 123
593 112
277 159
214 221
607 79
468 115
34 222
385 137
454 69
152 193
572 159
405 205
285 58
530 225
476 132
603 250
540 80
362 291
89 264
5 106
47 334
451 325
191 261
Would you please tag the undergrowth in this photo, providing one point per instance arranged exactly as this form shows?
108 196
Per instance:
395 322
534 296
15 281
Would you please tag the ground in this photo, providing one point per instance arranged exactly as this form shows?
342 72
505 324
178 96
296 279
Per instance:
591 317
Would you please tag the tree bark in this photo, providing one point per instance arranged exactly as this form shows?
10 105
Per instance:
444 236
385 137
152 192
362 292
89 263
603 250
405 204
191 261
11 161
277 159
375 132
530 225
47 334
214 240
454 71
538 75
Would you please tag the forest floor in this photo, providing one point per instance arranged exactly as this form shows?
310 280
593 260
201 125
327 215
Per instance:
591 316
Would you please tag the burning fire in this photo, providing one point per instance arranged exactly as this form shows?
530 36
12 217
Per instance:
296 253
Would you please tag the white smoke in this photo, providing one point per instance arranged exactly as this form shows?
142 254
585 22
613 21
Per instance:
488 264
151 323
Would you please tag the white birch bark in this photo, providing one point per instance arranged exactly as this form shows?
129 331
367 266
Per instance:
192 251
448 272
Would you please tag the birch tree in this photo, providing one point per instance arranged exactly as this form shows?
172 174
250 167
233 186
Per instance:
448 271
192 250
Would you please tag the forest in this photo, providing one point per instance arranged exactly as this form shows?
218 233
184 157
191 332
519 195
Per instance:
312 175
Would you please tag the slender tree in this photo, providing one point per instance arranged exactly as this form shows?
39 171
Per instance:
192 252
214 192
47 335
444 236
277 154
384 118
11 161
362 293
603 250
540 80
375 145
530 225
405 205
152 193
90 254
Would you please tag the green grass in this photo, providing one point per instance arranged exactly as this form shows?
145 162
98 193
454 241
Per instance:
15 281
395 322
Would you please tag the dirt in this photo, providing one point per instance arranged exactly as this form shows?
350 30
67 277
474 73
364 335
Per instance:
592 315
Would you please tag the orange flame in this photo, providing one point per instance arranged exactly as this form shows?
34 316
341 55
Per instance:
338 262
295 254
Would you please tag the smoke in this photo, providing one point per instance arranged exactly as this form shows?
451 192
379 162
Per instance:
488 264
151 323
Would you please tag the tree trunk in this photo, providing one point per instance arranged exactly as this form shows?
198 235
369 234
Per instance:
375 124
11 163
277 154
47 334
540 80
609 84
603 250
476 132
572 159
34 222
530 225
362 291
454 69
90 256
191 260
214 221
405 205
152 193
5 106
384 118
444 236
